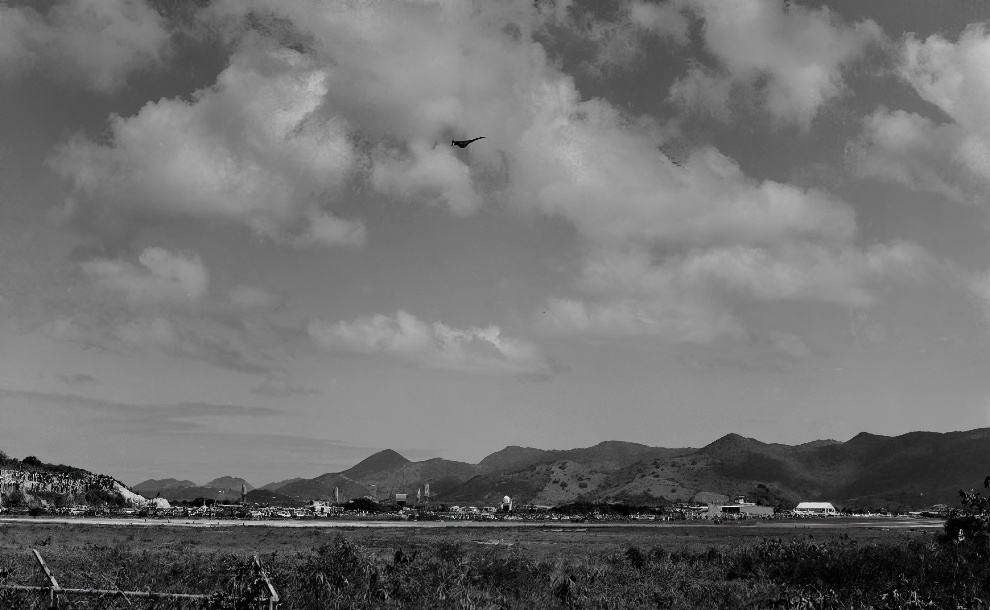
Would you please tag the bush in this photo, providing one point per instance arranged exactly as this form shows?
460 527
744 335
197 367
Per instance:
365 504
971 521
772 573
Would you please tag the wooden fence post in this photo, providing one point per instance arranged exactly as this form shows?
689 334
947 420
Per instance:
272 593
55 589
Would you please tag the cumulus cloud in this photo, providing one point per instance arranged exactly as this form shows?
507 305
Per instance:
916 152
620 41
437 177
950 158
791 56
435 346
604 175
362 100
666 19
96 43
161 276
252 149
693 297
371 95
672 249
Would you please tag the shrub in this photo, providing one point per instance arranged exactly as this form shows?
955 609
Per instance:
972 519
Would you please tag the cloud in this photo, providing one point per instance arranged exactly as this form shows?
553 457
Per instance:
791 56
253 298
694 297
278 385
153 331
434 175
435 346
228 344
366 91
673 249
665 19
789 343
171 310
620 32
161 277
253 149
95 43
78 379
245 341
162 418
950 158
357 101
609 179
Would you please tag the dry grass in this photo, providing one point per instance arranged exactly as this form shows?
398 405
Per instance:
634 567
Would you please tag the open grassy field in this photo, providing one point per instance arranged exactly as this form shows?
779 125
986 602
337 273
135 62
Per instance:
687 566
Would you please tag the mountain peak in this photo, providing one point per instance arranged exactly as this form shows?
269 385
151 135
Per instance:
731 444
383 460
827 442
229 482
866 437
512 456
732 439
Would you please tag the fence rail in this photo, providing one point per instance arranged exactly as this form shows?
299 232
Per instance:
263 594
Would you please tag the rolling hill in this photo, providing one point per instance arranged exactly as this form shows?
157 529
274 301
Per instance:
275 485
908 471
913 470
321 488
226 488
271 498
151 487
228 483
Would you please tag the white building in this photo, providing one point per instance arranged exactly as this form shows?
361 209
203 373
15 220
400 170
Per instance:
158 503
321 508
815 509
740 507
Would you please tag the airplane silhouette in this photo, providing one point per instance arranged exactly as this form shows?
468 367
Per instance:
464 143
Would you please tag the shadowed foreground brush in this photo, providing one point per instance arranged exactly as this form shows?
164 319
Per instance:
902 572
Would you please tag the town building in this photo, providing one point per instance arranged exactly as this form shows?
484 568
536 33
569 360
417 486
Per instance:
739 507
815 509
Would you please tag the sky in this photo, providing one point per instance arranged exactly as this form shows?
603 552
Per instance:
235 238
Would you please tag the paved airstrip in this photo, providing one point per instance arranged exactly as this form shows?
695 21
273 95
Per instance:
838 523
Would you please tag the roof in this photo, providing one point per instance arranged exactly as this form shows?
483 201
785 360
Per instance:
811 505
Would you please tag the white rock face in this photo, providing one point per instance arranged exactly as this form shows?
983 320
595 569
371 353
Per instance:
130 496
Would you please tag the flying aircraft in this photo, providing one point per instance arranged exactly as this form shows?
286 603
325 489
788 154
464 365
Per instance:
464 143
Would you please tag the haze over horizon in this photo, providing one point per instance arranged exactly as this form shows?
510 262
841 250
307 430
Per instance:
235 239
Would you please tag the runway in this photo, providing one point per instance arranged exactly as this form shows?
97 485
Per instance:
838 523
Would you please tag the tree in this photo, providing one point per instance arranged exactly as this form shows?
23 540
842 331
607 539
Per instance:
16 498
32 461
972 520
365 504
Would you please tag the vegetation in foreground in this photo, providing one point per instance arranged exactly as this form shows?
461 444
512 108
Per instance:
902 571
919 571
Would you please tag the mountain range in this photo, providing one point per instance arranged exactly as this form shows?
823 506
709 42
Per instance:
913 470
221 488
